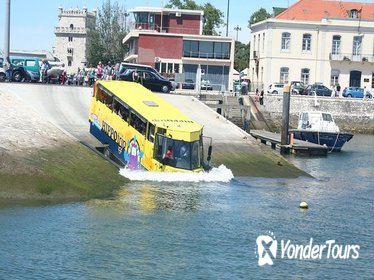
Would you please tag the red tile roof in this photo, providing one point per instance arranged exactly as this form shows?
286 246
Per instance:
315 10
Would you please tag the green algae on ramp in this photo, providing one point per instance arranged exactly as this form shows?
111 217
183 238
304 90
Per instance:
70 171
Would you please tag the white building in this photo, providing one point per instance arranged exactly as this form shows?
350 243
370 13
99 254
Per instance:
315 41
71 36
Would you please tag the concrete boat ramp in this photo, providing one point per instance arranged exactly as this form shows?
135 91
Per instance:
67 108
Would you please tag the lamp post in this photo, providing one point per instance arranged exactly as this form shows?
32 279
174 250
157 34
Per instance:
125 15
237 29
7 30
227 18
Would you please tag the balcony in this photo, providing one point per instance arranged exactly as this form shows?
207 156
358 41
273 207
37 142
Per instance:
349 57
68 30
151 27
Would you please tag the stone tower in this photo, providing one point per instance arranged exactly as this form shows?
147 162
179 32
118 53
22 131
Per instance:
71 37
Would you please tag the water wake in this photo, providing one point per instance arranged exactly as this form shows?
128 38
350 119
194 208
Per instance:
219 174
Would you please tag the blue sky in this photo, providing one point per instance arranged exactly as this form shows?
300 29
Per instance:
32 22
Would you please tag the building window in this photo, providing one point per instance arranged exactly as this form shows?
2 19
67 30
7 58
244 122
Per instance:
259 39
334 77
205 49
356 50
286 40
284 75
70 39
305 76
372 80
71 26
69 62
163 67
307 41
353 13
254 42
263 42
336 42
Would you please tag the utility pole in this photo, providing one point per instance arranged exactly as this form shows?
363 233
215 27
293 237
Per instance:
237 29
7 29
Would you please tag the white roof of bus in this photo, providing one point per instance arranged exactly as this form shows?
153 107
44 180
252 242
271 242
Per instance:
151 106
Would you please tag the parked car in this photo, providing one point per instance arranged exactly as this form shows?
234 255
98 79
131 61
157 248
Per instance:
356 92
149 80
188 84
30 66
297 87
2 75
206 85
318 89
19 74
276 88
125 66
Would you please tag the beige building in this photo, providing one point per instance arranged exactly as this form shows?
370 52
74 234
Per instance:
71 37
315 41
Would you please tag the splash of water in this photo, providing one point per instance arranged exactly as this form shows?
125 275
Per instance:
219 174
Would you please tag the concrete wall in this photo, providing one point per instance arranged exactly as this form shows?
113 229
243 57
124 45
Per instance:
354 115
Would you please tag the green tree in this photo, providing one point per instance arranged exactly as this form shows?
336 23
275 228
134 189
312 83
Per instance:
104 43
213 17
258 16
241 60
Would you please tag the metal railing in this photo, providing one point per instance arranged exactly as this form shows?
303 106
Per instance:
351 57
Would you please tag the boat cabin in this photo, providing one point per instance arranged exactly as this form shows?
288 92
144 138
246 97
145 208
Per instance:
317 121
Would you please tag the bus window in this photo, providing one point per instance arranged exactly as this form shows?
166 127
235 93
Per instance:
185 155
105 98
151 132
138 123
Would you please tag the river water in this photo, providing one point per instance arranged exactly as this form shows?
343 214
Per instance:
203 230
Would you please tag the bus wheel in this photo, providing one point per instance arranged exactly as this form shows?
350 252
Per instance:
107 153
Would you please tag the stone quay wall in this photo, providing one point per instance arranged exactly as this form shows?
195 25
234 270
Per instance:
351 114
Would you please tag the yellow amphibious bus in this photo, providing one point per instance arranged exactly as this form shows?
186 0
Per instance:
141 129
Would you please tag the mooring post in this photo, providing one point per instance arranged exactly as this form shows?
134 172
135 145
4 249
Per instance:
284 149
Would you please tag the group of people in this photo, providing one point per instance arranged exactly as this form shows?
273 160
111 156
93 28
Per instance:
336 91
88 76
259 97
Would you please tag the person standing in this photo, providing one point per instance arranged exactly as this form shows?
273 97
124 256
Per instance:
262 97
8 68
338 88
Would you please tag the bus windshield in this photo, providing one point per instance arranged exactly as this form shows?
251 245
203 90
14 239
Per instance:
178 153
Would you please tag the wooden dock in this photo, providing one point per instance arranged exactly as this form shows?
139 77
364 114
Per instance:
298 147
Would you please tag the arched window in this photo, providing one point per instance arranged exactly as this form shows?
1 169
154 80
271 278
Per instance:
284 75
353 13
71 26
307 41
286 41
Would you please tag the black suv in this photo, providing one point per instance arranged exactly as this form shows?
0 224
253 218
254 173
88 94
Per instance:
148 79
318 89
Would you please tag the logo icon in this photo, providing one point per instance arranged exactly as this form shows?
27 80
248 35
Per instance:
266 249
